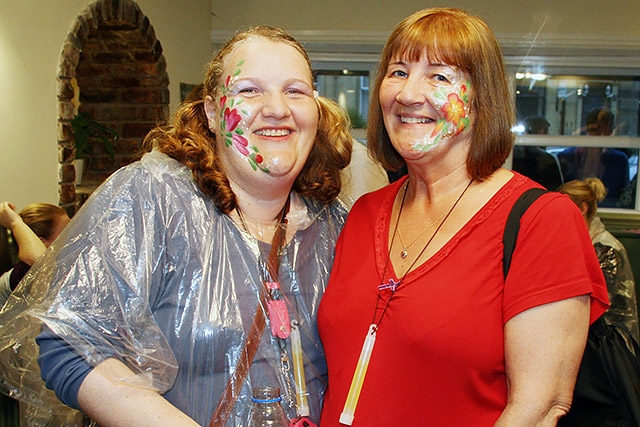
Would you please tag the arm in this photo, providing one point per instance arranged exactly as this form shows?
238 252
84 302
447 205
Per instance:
30 247
106 399
543 350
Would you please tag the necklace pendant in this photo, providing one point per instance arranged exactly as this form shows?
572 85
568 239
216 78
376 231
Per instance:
404 254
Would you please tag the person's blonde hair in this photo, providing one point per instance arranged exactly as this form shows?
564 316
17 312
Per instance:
591 191
190 141
457 38
42 218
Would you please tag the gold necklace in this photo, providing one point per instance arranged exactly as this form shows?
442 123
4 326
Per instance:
404 253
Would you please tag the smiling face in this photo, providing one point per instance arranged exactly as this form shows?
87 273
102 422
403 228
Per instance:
264 116
424 105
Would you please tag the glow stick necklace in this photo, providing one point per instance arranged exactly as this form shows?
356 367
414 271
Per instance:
347 415
281 327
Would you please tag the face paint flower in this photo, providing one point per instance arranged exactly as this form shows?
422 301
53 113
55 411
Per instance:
233 135
455 110
241 144
231 119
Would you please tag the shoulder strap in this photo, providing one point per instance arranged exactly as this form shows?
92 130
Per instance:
238 376
512 226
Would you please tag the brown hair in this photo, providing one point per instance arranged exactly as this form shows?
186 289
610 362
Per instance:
42 218
456 38
190 141
590 191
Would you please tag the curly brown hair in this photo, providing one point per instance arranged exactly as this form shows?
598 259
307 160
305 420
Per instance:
190 141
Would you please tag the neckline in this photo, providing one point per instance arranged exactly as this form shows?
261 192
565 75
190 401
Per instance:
433 235
383 224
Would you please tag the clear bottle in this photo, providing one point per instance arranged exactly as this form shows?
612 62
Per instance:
267 409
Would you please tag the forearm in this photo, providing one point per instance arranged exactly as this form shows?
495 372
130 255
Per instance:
108 400
521 415
543 350
30 247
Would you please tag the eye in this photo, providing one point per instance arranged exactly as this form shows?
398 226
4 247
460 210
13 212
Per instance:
248 90
398 73
298 90
441 78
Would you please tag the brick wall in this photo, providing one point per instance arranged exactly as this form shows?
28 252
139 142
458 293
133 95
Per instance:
120 75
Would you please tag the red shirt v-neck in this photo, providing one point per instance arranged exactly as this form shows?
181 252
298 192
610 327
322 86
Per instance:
438 359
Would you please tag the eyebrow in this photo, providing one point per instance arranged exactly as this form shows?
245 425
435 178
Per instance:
259 80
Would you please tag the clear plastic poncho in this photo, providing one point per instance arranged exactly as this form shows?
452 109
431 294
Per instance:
615 265
150 272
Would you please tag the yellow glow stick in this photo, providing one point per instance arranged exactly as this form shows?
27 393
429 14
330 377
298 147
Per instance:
298 371
347 415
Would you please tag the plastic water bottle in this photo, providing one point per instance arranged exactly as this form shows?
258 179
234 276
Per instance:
267 409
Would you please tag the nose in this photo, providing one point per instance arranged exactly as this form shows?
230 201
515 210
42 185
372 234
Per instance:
275 105
413 91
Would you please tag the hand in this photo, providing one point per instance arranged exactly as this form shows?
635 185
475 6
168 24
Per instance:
8 215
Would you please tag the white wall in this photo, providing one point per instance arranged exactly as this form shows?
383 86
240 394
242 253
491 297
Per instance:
32 32
613 17
31 36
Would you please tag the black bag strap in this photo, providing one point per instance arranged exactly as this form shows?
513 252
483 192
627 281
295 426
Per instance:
512 226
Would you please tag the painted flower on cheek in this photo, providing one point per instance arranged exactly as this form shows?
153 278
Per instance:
230 118
241 144
455 110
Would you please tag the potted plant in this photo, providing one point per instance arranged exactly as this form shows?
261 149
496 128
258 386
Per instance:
87 133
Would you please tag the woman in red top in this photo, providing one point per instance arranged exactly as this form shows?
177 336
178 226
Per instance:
417 294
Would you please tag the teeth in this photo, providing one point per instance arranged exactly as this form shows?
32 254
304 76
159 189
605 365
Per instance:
273 132
414 120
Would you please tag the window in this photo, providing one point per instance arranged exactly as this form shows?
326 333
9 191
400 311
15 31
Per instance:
590 125
558 78
348 88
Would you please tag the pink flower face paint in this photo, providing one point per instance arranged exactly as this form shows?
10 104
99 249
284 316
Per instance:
264 114
230 118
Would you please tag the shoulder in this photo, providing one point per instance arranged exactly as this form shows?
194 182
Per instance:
154 190
315 208
375 198
614 154
153 178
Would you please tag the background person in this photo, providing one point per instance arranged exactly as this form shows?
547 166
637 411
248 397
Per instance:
33 229
610 165
156 283
612 255
534 162
419 263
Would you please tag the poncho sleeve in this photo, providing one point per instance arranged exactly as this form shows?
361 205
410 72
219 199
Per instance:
93 287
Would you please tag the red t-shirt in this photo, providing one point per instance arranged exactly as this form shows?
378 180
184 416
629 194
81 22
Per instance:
438 359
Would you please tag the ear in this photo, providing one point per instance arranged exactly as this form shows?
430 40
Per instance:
584 208
211 110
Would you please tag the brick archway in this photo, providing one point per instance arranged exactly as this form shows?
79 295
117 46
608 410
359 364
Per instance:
112 67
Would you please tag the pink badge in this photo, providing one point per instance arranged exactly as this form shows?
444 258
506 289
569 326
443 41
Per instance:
301 422
279 318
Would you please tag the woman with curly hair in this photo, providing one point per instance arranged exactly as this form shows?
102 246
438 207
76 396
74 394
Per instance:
194 275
